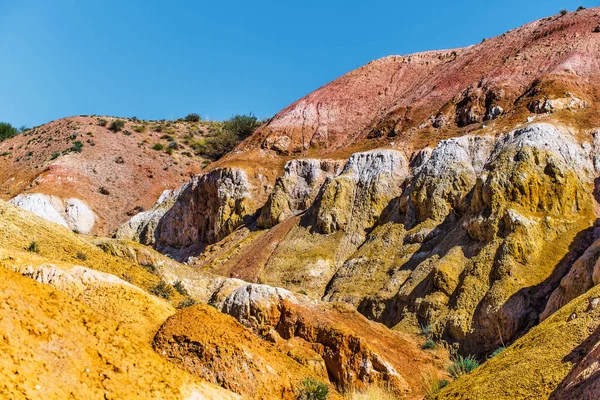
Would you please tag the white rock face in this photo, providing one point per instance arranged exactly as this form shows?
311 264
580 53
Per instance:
297 188
141 227
547 137
354 200
70 213
74 281
253 304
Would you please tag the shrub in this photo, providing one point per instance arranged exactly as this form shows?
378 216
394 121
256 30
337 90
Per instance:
429 345
302 292
563 12
580 8
102 122
104 191
149 267
158 146
81 256
241 126
497 351
431 384
312 389
178 285
193 117
33 247
117 125
139 128
7 131
77 146
55 155
187 302
462 365
162 289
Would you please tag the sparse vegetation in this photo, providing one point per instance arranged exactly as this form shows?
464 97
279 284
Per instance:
117 125
223 140
432 385
81 256
139 128
372 392
158 147
178 285
462 365
33 247
429 345
302 292
7 131
187 302
193 117
149 267
497 351
312 389
102 122
162 289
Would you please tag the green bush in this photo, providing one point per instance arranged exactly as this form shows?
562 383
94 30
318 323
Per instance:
497 351
102 122
241 126
162 289
193 117
55 155
81 256
77 146
149 267
312 389
117 125
158 146
429 345
7 131
33 247
462 365
139 128
563 12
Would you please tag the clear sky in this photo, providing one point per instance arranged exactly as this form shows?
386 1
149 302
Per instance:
164 59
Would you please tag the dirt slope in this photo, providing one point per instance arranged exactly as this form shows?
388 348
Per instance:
117 174
412 100
55 347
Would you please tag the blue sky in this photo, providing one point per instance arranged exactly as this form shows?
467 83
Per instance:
165 59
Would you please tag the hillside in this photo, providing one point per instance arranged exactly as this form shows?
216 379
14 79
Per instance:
116 174
414 212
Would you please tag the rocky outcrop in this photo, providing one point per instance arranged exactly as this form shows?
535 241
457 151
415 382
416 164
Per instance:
142 226
295 191
200 212
220 350
70 213
354 200
206 210
452 240
355 351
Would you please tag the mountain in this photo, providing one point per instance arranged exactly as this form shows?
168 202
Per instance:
389 232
